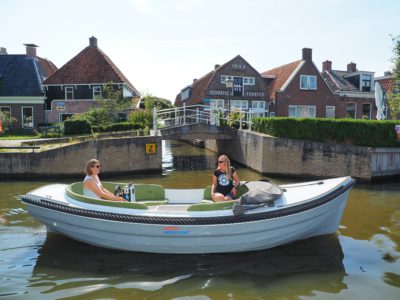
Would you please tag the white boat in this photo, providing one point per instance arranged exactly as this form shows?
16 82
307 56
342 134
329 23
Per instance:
186 221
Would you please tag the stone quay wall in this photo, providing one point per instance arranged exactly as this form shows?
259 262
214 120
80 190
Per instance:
299 158
116 155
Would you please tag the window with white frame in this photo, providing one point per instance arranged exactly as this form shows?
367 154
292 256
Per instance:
308 82
258 105
366 111
366 82
219 103
27 117
302 111
330 111
185 94
258 108
122 117
69 93
5 116
351 110
240 104
97 92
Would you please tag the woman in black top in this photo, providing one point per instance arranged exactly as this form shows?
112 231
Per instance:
225 181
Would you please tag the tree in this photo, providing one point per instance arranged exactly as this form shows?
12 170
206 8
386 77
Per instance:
111 103
149 102
394 96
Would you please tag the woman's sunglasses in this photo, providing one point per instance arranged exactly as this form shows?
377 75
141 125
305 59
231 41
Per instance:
98 166
220 161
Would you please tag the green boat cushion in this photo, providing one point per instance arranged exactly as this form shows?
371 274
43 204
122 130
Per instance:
211 206
75 191
207 193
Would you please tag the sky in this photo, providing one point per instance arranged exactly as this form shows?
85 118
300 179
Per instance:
162 45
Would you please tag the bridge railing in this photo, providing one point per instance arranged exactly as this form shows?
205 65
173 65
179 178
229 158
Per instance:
195 114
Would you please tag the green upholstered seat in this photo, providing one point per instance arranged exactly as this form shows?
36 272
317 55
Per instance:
211 206
146 195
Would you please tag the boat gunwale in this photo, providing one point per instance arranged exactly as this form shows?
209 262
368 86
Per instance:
192 220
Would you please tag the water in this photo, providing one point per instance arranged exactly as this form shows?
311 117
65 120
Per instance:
362 261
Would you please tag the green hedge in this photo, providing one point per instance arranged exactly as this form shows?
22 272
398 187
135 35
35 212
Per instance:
370 133
117 127
73 126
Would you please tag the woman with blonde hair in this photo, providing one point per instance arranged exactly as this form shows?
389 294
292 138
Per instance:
92 186
225 181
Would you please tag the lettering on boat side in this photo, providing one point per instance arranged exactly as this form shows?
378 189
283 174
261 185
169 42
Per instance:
174 230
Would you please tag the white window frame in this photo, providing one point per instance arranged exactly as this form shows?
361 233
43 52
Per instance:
119 116
370 107
22 117
68 90
329 110
294 111
310 82
355 110
241 104
257 106
218 103
97 92
9 109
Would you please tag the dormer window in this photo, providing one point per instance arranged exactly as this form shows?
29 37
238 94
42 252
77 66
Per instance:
366 82
308 82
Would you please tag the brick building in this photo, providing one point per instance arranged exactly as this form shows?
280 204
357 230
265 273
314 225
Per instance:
21 92
297 89
354 89
75 86
248 90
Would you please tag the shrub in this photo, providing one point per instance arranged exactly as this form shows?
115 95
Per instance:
76 126
142 117
117 127
370 133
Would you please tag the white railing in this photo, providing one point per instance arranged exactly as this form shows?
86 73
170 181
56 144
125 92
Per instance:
195 114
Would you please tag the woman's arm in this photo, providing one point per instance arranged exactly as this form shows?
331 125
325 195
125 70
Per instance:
236 182
214 185
91 185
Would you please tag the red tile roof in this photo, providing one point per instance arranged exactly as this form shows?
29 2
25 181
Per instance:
387 83
47 66
198 89
90 66
282 74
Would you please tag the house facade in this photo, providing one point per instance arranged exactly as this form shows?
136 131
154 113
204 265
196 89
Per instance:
354 89
297 89
75 86
247 89
21 92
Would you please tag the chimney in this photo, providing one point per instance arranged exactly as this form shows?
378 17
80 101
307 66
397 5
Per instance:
352 67
327 66
3 51
216 67
31 50
387 73
307 54
194 80
93 42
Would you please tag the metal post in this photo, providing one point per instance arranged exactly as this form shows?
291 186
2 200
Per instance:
197 115
184 113
155 121
250 119
240 118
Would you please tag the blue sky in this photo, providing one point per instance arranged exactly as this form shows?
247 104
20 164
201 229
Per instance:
162 45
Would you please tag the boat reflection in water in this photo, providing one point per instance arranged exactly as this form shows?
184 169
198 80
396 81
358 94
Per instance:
69 268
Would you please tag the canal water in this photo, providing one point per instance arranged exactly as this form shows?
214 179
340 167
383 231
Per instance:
361 261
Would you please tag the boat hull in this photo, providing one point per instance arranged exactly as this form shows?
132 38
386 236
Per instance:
254 231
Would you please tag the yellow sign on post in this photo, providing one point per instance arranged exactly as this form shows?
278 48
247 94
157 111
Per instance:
151 148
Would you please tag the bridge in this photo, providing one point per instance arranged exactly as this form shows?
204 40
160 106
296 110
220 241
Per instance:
200 122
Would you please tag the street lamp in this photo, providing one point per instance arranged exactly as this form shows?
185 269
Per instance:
229 85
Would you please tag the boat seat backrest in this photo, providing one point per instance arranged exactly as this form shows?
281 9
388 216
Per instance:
211 206
207 193
143 192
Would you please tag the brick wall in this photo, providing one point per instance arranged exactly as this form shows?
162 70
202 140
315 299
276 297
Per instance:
289 157
117 156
